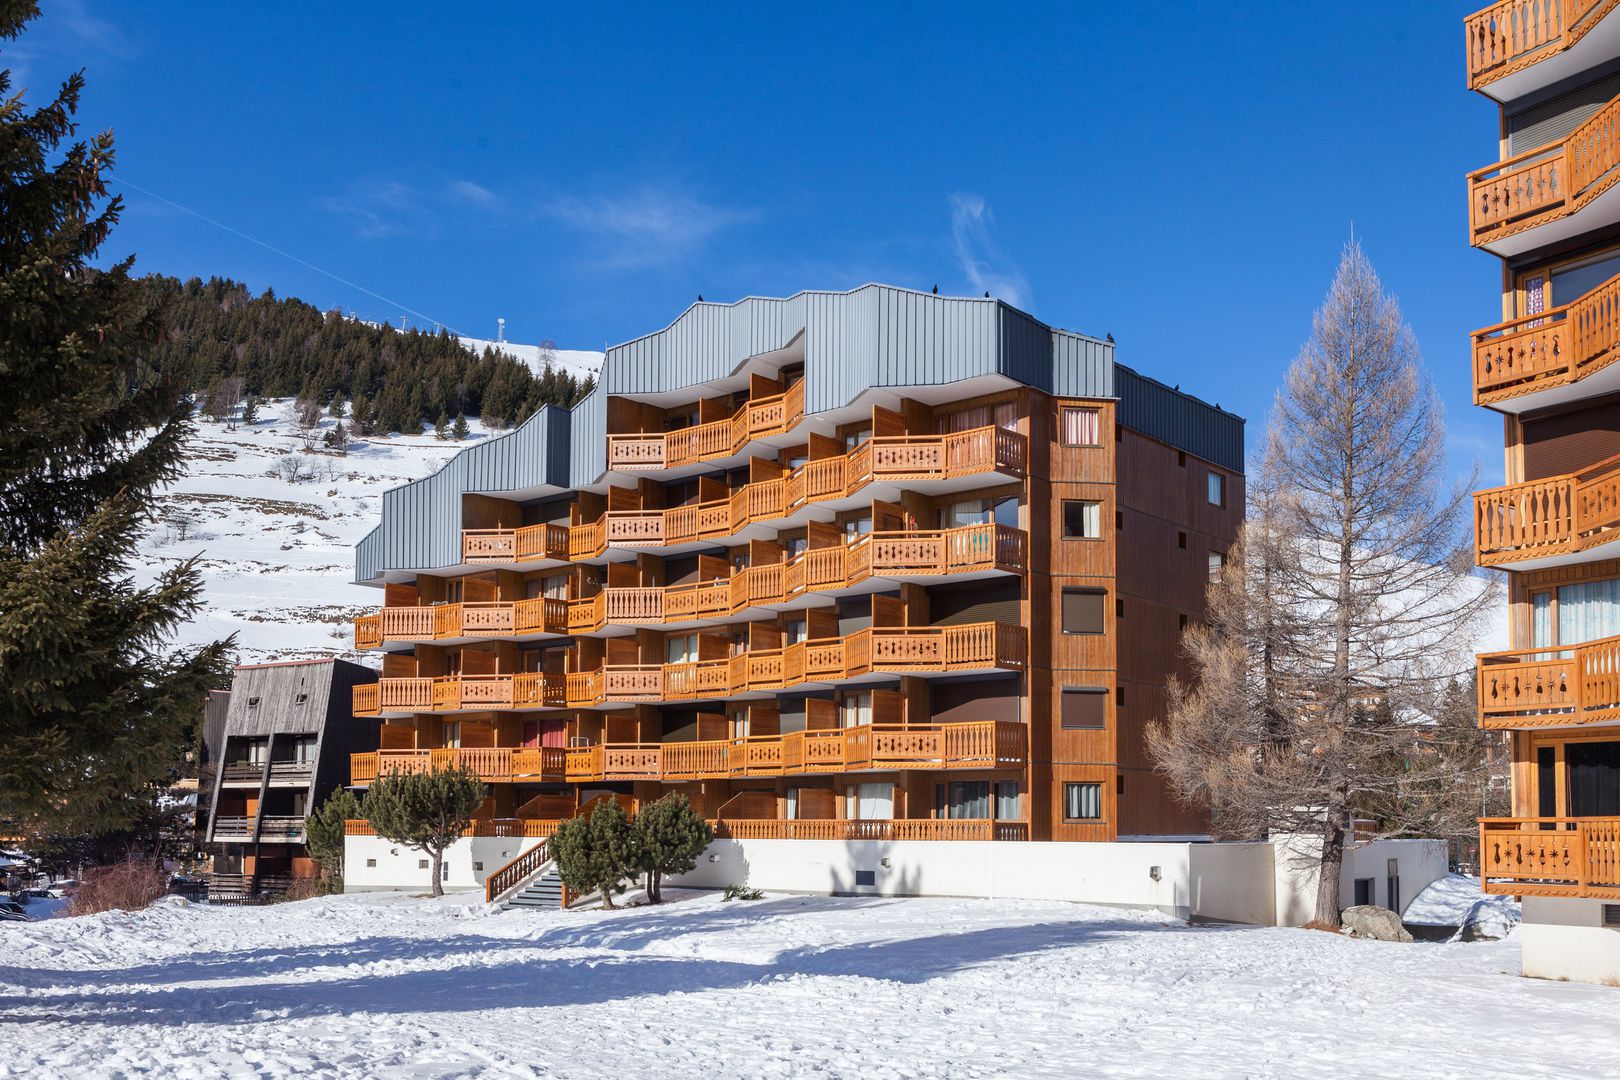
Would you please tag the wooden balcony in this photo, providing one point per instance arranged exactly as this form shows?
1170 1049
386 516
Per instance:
1552 183
492 764
282 829
775 415
439 622
1578 857
232 828
1537 360
880 829
915 650
1550 522
1538 688
1512 36
910 459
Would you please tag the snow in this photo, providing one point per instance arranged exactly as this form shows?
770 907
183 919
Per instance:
580 363
387 985
278 557
1455 900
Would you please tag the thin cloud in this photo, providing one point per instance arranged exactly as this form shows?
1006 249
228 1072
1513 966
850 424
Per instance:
647 227
982 262
476 194
377 211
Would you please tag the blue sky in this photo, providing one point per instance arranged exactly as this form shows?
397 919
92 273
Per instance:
1182 179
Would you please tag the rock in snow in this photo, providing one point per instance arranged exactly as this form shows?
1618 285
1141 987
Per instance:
1372 921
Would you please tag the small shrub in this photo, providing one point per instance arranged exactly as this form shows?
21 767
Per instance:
129 885
306 888
741 892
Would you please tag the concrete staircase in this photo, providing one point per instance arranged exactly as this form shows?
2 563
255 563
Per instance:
544 891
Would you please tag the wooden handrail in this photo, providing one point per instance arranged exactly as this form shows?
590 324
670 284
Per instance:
1551 856
1551 516
1576 684
1511 35
508 877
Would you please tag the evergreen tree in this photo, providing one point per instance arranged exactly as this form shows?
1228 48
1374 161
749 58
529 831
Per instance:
94 707
250 410
441 427
324 831
597 853
460 431
671 837
427 811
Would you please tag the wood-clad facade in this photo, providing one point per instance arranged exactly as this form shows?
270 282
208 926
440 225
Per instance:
942 605
1550 210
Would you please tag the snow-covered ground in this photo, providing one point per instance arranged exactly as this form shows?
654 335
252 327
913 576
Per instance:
278 556
380 985
580 363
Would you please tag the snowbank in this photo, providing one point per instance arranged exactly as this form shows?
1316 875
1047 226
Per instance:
1456 901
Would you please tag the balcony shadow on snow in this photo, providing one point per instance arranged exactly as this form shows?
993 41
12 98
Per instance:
530 981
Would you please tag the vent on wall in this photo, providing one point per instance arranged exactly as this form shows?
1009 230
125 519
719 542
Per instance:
865 878
1611 915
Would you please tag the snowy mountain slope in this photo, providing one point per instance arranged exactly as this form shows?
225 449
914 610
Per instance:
580 363
278 556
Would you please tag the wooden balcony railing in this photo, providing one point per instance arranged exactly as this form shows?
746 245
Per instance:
1551 856
233 828
1550 687
897 458
1550 349
880 829
537 827
515 618
1547 183
492 764
286 828
901 649
1559 515
703 442
1511 35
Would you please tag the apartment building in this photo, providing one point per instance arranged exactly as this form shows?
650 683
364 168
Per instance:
1549 209
866 565
283 745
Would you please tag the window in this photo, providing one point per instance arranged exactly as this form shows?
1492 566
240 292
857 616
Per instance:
1181 622
1082 520
1119 784
1181 540
856 438
795 545
1083 611
478 867
371 864
1083 708
682 648
964 799
855 710
1001 511
452 734
857 526
792 810
1217 561
1217 489
1007 800
1119 696
1079 427
1365 891
1082 802
1004 415
421 864
795 630
1119 519
870 802
1181 458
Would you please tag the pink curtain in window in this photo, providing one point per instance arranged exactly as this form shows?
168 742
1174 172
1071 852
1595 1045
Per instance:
554 733
965 420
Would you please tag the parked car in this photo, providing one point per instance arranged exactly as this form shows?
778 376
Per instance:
11 911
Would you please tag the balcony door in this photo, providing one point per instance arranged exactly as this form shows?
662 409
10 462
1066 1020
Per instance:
1548 287
1593 778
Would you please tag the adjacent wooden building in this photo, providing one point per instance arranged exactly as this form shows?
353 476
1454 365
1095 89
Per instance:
1549 209
873 564
285 745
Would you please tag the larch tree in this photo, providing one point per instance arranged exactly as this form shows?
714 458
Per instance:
1348 604
95 706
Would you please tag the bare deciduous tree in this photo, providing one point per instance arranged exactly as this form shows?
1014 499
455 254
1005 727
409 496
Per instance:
1348 603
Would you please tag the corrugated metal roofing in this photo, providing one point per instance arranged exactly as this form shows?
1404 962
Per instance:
871 336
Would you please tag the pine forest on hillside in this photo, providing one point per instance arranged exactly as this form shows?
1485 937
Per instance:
230 346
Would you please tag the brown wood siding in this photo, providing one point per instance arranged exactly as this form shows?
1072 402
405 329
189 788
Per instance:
1570 441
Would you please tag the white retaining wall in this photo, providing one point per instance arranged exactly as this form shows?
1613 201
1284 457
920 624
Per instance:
1564 938
1246 883
372 864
